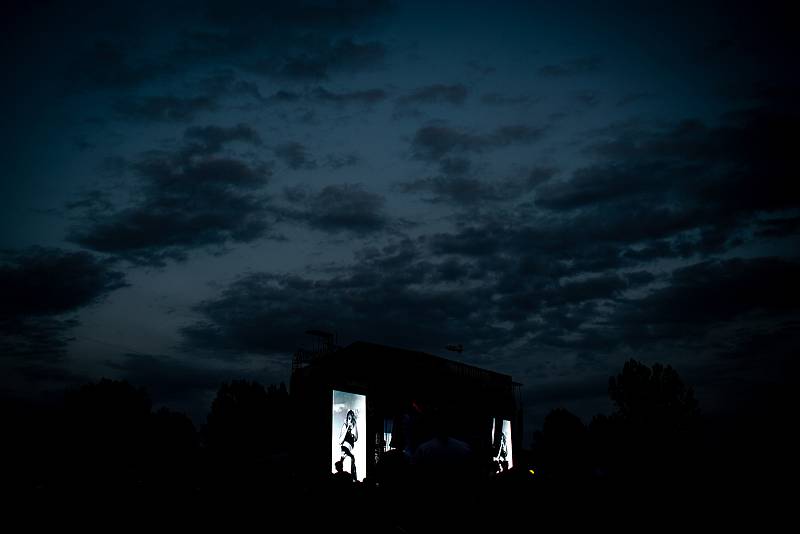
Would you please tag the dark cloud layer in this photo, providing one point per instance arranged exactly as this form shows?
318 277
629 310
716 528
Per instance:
294 156
668 231
45 281
322 59
209 203
366 96
497 99
683 191
338 208
300 41
317 16
321 95
435 301
165 108
107 63
211 139
39 287
347 207
353 303
226 83
456 185
193 198
435 94
213 92
738 317
436 142
339 161
716 292
581 65
690 187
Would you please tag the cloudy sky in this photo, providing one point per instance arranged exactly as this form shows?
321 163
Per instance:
187 187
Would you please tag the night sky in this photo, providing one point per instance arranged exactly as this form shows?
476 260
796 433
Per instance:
187 187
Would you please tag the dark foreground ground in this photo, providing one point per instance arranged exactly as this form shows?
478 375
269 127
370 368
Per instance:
517 500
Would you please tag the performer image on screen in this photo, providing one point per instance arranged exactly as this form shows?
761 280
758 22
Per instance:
501 460
348 436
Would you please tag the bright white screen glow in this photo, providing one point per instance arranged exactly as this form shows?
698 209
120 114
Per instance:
349 434
507 433
504 457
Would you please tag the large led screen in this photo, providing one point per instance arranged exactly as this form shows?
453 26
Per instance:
349 434
503 459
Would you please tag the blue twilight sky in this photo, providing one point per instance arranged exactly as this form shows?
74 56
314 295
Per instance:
559 186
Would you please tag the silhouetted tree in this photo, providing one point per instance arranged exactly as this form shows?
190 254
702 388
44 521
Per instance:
653 432
654 397
248 420
106 428
562 446
173 449
246 427
30 446
173 432
604 437
111 438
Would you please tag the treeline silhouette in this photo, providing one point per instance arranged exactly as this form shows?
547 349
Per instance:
105 438
653 434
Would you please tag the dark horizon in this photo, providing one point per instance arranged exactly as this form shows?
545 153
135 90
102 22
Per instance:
190 187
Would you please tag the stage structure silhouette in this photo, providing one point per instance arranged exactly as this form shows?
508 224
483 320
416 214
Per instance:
360 408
